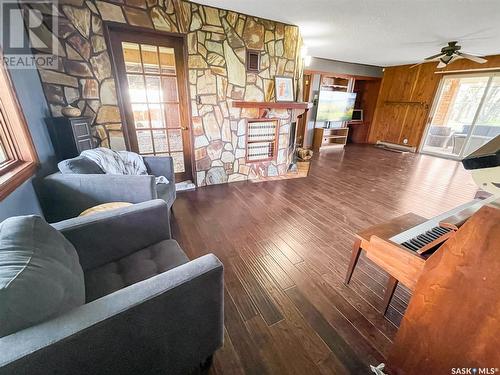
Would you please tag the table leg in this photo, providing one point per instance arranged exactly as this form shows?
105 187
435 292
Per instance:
356 251
392 283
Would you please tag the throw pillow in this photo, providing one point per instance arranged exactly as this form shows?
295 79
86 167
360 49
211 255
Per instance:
40 275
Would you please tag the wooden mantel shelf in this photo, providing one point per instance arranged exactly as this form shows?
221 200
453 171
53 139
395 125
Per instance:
272 105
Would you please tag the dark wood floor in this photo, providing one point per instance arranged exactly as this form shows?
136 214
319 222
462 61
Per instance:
285 247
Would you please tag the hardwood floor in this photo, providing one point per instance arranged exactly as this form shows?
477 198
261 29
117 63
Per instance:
285 246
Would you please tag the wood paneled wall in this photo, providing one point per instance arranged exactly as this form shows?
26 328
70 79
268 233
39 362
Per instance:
395 119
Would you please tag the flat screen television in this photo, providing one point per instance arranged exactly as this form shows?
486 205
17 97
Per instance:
335 106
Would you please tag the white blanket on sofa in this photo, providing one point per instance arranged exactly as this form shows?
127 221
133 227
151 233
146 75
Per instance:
120 162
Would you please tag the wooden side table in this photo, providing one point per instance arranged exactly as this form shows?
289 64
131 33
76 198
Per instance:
71 136
385 231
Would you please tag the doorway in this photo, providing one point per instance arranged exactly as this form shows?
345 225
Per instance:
465 116
153 97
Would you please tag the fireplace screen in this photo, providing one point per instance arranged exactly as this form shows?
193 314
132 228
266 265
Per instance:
261 139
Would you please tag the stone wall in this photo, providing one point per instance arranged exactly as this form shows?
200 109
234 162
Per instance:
216 44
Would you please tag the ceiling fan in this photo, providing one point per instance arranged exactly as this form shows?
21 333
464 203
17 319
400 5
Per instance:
449 54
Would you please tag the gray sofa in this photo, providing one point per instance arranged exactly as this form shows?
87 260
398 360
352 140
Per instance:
81 184
147 308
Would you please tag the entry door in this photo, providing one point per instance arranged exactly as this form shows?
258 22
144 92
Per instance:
151 75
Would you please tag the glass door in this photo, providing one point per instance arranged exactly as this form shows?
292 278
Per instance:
466 115
153 95
458 100
487 124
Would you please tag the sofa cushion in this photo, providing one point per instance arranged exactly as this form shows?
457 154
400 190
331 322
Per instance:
166 192
133 268
79 165
40 275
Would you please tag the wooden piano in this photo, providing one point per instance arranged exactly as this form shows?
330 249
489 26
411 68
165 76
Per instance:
453 318
402 245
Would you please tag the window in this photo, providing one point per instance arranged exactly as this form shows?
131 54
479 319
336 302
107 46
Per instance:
3 152
17 154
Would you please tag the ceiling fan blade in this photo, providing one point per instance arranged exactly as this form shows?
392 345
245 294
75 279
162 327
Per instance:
434 57
413 66
477 59
441 64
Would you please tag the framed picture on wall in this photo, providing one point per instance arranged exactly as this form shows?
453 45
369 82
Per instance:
283 89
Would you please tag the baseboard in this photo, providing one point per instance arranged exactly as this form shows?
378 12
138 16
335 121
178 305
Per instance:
395 146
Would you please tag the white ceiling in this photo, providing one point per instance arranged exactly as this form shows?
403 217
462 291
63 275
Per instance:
382 32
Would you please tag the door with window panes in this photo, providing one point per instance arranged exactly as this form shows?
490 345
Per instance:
153 95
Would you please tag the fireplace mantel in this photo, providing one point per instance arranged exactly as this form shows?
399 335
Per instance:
298 108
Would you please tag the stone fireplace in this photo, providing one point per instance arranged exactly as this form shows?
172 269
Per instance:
286 115
216 45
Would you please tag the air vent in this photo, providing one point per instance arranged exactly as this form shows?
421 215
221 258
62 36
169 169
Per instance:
253 60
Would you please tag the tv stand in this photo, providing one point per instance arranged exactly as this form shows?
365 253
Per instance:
330 138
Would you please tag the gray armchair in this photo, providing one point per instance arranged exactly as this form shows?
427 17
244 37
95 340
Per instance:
148 308
82 184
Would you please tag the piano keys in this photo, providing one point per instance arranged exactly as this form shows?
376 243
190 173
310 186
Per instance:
432 233
428 240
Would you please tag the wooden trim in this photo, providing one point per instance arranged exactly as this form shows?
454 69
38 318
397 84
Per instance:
11 180
301 133
478 70
110 25
339 75
8 165
21 151
115 61
271 105
21 135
